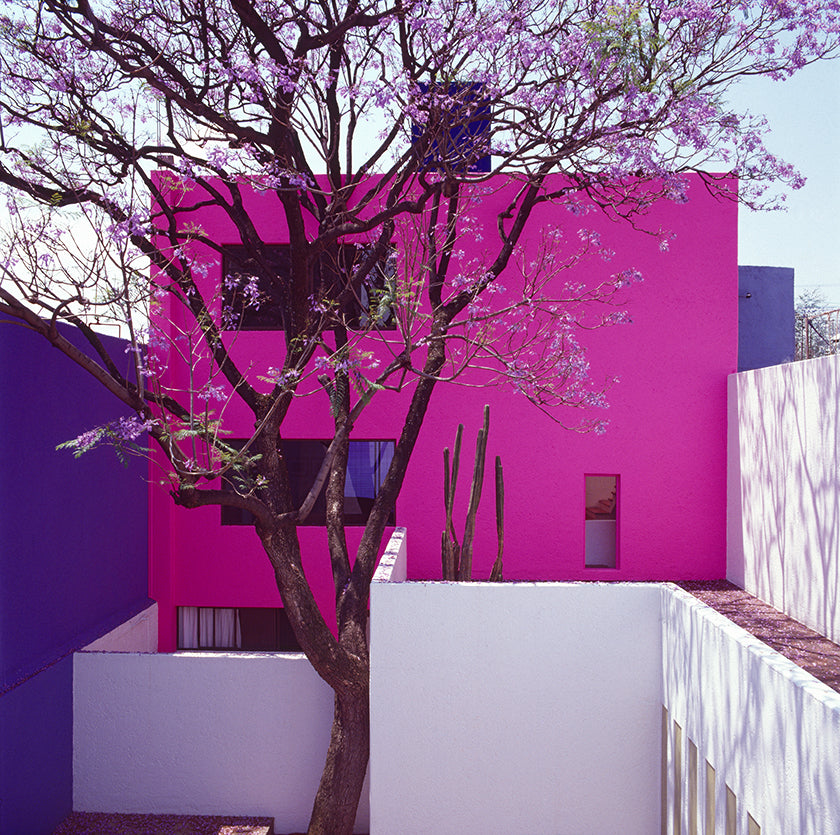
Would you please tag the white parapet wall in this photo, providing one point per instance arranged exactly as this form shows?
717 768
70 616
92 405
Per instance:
191 733
752 740
783 526
515 708
201 733
137 634
496 709
393 564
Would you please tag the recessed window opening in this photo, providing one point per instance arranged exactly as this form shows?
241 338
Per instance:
245 629
367 465
254 300
601 521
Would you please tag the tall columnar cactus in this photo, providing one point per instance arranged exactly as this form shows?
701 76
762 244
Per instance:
450 549
496 573
457 559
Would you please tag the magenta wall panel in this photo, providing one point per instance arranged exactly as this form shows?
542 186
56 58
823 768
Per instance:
666 438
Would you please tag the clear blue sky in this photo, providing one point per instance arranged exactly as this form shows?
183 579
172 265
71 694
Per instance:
804 116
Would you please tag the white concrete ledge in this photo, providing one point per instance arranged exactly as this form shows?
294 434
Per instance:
496 709
768 729
393 565
137 634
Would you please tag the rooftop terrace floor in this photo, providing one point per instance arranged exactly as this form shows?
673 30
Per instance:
101 823
808 649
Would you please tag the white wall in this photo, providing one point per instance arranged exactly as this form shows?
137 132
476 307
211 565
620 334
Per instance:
515 708
203 732
137 634
784 489
769 729
208 733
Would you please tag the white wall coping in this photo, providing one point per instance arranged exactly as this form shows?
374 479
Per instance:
796 675
208 687
137 634
393 564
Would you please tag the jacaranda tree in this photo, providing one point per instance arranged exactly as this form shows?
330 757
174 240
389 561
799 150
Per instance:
375 121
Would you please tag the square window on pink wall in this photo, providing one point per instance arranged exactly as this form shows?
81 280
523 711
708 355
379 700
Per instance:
601 521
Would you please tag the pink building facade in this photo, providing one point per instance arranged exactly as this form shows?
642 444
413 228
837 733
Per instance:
644 501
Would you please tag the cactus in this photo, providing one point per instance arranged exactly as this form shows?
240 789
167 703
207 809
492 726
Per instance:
450 550
457 559
496 573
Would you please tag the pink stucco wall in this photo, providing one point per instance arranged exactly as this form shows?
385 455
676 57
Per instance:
666 439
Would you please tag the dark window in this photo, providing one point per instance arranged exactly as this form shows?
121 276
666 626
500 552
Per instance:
253 629
252 300
458 124
367 463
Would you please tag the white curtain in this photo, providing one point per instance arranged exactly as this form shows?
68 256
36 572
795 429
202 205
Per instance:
228 633
187 627
208 627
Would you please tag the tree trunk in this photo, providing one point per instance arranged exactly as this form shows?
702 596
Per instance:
334 812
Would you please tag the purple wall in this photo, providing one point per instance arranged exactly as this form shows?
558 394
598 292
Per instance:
36 756
666 440
766 320
73 564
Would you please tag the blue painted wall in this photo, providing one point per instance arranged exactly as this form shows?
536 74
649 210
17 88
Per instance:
766 319
73 564
36 754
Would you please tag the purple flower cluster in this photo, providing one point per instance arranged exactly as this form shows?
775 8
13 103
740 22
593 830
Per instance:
121 434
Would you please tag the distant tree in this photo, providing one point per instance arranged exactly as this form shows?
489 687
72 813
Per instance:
345 114
814 325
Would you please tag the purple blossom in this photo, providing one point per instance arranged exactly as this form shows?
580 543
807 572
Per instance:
217 393
121 434
626 277
284 377
251 292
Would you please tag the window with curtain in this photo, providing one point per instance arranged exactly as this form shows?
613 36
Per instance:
246 629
